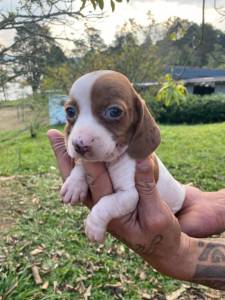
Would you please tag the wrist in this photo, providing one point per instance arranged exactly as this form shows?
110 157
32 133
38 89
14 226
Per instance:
177 261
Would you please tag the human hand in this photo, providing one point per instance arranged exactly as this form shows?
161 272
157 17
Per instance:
152 230
143 229
202 214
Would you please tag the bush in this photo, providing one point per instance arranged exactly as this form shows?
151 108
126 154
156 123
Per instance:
192 110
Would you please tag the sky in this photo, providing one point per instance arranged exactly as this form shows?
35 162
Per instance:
161 10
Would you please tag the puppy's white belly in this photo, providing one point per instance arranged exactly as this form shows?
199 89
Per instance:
170 190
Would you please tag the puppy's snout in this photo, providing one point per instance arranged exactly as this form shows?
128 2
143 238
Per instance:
80 147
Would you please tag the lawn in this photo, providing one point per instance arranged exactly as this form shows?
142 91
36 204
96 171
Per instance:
48 237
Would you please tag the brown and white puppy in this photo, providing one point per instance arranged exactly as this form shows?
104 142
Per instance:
109 122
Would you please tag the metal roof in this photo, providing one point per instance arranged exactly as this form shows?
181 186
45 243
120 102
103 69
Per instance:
205 80
183 73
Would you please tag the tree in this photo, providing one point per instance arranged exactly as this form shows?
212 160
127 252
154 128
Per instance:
186 43
32 52
89 54
45 12
134 53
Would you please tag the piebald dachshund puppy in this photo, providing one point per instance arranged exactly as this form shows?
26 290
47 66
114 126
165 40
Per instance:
109 122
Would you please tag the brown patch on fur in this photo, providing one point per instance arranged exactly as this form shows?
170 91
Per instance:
114 89
136 128
146 136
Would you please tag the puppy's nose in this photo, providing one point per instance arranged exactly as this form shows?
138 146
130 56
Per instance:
80 147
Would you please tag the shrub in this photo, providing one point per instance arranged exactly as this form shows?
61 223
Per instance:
192 110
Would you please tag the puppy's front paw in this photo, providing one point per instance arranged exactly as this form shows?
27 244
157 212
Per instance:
74 191
94 231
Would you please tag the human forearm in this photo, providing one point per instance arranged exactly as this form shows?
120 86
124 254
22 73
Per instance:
210 265
152 230
198 261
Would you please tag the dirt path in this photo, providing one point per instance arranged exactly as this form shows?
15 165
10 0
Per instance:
12 118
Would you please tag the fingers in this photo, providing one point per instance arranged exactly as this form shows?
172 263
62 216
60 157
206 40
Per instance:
98 180
65 163
144 179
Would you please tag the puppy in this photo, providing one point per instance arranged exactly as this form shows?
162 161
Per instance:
109 122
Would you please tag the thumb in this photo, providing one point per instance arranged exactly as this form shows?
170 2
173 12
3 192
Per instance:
145 181
65 163
98 180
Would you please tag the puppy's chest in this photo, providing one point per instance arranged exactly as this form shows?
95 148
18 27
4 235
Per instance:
122 172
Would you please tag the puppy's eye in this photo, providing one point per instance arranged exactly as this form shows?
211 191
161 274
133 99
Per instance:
113 113
71 112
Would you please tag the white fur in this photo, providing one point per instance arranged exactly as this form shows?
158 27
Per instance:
120 166
122 202
75 187
87 127
171 191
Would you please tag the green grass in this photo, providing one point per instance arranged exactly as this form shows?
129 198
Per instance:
191 153
68 262
14 103
21 154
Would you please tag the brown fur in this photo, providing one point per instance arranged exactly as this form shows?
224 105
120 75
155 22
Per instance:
136 128
70 122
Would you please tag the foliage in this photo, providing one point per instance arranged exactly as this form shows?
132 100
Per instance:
43 11
58 78
34 49
192 110
3 80
128 54
171 92
31 20
184 43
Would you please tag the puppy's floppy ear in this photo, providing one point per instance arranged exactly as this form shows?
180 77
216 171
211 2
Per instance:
146 136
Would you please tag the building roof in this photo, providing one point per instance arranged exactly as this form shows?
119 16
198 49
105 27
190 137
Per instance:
205 80
185 73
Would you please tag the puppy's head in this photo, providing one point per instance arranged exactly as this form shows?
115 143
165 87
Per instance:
106 117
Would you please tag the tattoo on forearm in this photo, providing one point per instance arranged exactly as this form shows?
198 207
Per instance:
210 269
148 248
